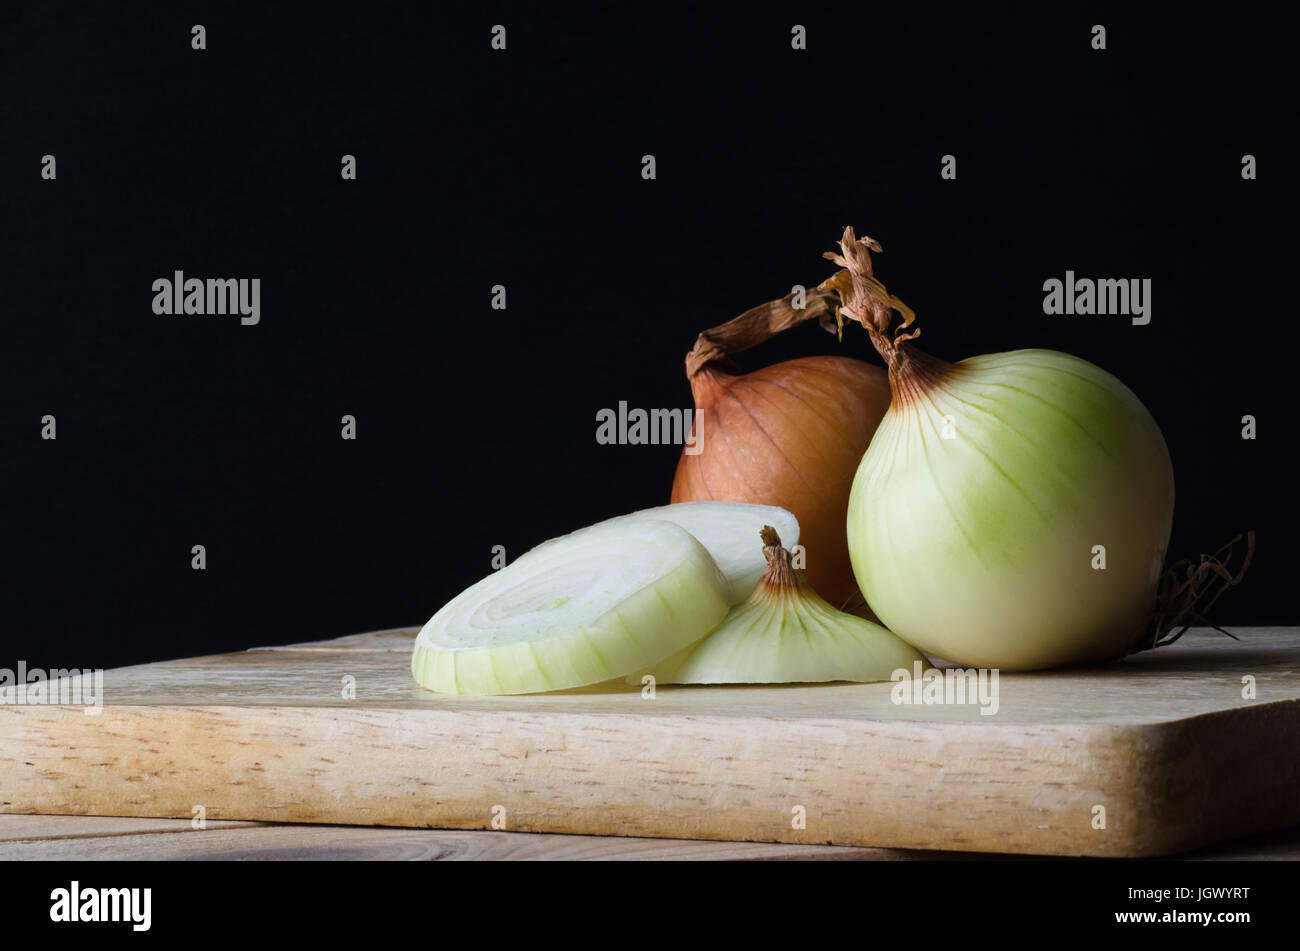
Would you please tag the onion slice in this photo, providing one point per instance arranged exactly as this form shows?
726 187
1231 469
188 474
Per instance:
786 633
591 606
725 529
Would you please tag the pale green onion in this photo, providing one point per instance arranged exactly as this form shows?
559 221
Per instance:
1012 510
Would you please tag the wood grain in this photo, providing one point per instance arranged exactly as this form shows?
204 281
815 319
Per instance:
19 828
1165 742
91 838
256 841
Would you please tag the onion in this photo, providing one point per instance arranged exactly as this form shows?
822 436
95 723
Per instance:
1013 510
789 435
785 633
726 530
588 607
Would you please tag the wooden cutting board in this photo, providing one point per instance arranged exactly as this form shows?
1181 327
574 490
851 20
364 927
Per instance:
1158 754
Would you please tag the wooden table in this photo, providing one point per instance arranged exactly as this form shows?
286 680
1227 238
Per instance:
114 839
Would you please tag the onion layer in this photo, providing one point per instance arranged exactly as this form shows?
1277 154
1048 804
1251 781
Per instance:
726 530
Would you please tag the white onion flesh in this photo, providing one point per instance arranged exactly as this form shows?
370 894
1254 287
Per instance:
588 607
727 530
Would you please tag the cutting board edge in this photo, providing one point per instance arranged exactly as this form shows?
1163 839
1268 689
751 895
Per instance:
1147 757
1209 767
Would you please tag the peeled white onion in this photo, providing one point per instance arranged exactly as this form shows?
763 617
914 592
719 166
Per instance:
1012 511
986 548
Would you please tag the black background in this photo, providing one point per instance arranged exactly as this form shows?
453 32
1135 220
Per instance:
476 167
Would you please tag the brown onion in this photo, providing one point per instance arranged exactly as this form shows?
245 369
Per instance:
791 434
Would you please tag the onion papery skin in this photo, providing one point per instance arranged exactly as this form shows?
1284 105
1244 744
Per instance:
979 549
791 435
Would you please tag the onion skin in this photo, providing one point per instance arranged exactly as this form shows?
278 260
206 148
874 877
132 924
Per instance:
790 435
